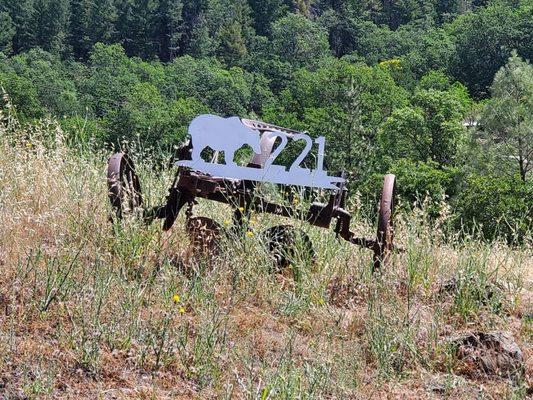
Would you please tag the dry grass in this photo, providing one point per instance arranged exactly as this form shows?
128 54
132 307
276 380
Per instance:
88 309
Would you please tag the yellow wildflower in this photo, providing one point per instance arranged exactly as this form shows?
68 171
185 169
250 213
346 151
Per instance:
176 298
182 310
241 209
227 222
249 234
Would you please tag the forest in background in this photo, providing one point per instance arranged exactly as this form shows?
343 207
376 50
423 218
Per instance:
439 92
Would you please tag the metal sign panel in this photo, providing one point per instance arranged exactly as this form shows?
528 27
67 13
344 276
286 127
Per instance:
230 134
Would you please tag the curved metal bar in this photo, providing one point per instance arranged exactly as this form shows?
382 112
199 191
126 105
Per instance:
123 184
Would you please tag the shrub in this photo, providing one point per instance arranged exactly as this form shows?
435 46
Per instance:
496 206
416 182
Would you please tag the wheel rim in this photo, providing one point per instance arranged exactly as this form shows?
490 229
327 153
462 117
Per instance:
385 233
282 242
123 185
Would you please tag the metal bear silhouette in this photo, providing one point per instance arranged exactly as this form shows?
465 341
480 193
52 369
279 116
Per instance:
221 134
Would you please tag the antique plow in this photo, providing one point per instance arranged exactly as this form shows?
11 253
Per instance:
236 186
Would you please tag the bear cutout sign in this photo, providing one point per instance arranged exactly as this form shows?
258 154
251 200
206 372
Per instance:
230 134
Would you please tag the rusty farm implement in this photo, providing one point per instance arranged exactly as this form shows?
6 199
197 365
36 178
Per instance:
237 185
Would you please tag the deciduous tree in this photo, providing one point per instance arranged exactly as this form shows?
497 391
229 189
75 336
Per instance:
507 120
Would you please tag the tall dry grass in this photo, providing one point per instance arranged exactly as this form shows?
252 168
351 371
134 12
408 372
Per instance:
92 309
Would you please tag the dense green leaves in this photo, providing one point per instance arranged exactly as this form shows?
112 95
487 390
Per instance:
484 40
496 206
299 40
344 102
91 22
426 35
429 130
507 120
7 32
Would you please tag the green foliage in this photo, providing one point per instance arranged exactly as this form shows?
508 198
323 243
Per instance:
344 102
23 93
502 28
50 21
420 180
51 78
507 120
146 118
110 76
91 22
83 132
169 29
22 14
266 12
225 91
419 184
231 44
496 206
7 33
427 35
429 130
299 41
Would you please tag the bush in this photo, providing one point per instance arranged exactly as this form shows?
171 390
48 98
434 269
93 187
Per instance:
416 183
496 207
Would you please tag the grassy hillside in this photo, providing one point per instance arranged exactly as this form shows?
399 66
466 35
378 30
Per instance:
89 309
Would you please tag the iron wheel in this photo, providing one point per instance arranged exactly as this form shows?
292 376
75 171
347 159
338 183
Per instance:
385 233
124 188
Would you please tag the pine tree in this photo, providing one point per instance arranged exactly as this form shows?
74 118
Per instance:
303 7
103 15
79 38
7 32
200 44
135 27
265 12
51 24
169 28
22 13
195 33
231 45
507 119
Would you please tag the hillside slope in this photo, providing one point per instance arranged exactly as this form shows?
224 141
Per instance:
95 310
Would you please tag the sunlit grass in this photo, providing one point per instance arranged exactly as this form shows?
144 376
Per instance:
106 306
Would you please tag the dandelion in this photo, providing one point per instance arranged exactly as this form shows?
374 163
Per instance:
182 310
241 209
295 201
176 298
249 234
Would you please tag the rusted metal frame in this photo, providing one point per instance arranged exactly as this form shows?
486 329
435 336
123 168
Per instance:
248 202
239 194
241 197
342 229
243 201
